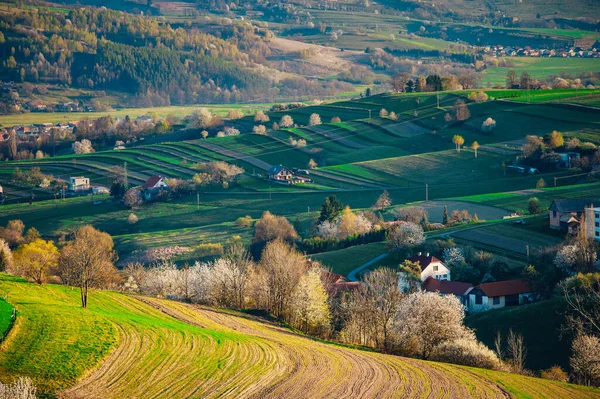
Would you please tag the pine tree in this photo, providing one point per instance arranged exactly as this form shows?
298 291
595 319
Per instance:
446 218
330 209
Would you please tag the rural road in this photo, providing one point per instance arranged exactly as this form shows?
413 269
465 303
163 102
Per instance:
353 275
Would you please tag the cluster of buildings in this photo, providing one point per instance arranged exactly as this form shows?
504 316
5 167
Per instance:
34 130
281 174
436 277
569 52
571 215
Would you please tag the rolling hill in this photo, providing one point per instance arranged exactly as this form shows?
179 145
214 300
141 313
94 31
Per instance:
142 347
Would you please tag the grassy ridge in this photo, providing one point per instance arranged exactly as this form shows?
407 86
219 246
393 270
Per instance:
152 348
6 310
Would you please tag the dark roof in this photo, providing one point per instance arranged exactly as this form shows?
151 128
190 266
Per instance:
503 288
276 169
151 182
424 260
446 287
573 205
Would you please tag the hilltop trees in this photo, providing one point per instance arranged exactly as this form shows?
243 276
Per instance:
235 114
405 236
399 82
556 140
488 125
260 129
511 79
383 201
82 147
86 261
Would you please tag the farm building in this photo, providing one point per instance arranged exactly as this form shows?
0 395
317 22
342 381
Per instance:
153 186
499 294
430 267
447 287
79 183
281 174
565 214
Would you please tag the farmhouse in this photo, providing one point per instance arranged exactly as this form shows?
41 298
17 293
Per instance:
499 294
565 214
79 183
447 287
281 174
431 267
154 186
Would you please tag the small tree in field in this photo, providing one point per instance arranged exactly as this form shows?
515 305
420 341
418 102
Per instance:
132 218
383 113
461 111
286 121
312 164
204 134
260 129
86 261
36 259
336 119
405 236
314 120
533 206
261 117
488 125
540 183
310 303
585 361
475 146
235 114
556 140
458 141
383 201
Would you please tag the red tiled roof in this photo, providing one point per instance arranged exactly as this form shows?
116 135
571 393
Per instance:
423 260
151 182
446 287
503 288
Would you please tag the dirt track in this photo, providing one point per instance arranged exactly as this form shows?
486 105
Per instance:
231 356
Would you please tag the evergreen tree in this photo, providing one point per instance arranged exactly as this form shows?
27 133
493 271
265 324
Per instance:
331 209
446 217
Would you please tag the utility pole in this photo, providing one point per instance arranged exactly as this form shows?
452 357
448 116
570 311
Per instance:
426 192
308 209
198 200
269 191
527 250
554 181
438 99
369 114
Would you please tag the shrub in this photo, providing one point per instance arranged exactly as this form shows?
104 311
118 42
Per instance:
132 218
467 352
555 373
245 221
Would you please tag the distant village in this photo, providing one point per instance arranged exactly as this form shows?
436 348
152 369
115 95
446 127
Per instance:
569 52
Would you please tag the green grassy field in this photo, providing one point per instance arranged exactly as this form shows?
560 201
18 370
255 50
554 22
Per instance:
345 260
142 347
6 310
540 68
178 111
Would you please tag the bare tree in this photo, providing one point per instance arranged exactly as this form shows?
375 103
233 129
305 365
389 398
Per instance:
87 261
261 117
383 201
314 120
516 351
286 121
278 273
585 360
271 227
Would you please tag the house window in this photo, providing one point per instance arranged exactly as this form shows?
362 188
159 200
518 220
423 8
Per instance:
597 224
554 214
496 300
511 300
435 268
597 234
478 299
445 276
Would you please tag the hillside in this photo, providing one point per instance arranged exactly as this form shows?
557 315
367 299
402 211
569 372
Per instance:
154 348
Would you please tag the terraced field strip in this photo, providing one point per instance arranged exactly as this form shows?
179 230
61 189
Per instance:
235 155
332 134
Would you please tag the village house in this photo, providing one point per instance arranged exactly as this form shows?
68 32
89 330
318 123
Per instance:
79 183
565 214
154 186
498 294
281 174
430 267
447 287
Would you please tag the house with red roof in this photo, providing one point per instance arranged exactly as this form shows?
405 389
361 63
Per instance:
447 287
153 186
431 267
499 294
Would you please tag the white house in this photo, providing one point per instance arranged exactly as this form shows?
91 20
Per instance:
100 190
499 294
153 186
79 183
430 267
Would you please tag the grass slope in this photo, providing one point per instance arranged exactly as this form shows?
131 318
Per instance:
124 346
